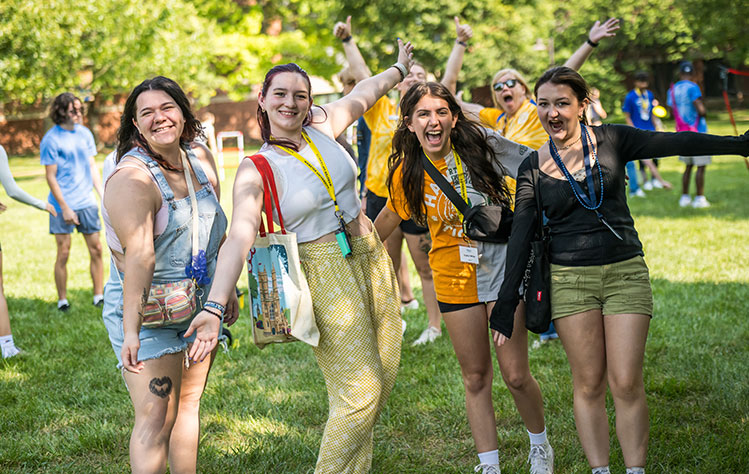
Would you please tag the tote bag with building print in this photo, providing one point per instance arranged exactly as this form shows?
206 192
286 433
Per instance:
280 300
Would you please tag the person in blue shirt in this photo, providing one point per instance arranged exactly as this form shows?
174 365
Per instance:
67 153
638 112
685 100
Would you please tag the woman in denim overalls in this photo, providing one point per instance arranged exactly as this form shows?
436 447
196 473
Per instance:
148 213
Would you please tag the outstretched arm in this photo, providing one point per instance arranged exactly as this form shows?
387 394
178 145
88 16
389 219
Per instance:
596 34
14 191
463 33
356 62
245 222
343 112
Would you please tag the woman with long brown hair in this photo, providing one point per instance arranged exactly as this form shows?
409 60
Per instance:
476 162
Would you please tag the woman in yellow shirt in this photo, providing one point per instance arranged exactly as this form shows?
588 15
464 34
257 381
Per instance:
514 112
467 273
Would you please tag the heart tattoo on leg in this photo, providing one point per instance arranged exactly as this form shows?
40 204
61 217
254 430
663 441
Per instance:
161 387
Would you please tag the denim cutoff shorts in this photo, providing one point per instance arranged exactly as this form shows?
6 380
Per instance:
616 288
88 218
154 343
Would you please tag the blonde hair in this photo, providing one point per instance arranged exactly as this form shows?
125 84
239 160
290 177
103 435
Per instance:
519 77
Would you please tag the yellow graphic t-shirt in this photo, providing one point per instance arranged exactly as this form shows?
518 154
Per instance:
382 120
524 127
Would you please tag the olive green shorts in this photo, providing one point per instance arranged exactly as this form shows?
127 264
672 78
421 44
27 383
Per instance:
616 288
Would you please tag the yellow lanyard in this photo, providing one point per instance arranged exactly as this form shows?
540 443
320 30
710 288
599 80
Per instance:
326 180
461 179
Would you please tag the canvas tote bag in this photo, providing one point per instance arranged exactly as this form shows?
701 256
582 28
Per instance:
280 300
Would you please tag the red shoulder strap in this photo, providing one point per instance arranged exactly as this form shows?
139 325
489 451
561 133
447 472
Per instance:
270 198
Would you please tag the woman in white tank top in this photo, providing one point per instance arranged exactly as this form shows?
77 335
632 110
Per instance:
355 298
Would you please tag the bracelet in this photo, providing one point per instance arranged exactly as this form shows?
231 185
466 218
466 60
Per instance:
401 69
346 39
595 45
217 306
462 43
213 313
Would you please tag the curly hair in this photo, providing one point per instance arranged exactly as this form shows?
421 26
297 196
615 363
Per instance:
128 135
468 138
58 111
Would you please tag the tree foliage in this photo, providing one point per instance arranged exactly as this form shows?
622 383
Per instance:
209 45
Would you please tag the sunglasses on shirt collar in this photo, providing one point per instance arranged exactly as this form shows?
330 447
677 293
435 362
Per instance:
510 83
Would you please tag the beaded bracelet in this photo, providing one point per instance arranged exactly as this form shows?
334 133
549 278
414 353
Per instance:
462 43
595 45
346 39
212 304
213 312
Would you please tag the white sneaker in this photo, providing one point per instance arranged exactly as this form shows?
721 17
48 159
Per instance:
685 200
413 304
647 186
541 459
428 335
487 469
700 202
10 350
656 184
639 193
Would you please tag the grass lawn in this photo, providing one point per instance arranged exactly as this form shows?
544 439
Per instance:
65 409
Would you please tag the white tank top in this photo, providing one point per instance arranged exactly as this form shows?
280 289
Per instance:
306 206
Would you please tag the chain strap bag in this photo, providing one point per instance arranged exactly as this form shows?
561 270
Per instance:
484 222
280 299
537 277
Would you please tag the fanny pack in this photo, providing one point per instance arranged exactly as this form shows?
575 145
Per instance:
484 222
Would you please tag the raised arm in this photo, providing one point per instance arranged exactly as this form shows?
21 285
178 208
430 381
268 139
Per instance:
344 111
131 201
357 65
463 33
596 34
245 222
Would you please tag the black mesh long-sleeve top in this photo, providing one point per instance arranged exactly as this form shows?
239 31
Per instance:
578 238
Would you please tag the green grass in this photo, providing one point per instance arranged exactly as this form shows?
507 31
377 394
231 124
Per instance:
64 407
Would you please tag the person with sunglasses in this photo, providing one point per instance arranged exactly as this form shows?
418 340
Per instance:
67 153
514 112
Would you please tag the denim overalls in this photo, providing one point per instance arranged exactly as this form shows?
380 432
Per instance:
172 251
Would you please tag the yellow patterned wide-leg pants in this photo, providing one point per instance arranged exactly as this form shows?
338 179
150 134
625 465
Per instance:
357 309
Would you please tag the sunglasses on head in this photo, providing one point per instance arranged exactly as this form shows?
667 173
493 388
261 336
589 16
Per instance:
510 83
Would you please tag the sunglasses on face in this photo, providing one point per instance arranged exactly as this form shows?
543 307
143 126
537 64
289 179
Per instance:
510 83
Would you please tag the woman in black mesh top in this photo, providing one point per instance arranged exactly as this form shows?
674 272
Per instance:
600 290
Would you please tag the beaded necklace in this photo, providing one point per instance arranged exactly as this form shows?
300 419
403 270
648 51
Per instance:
589 201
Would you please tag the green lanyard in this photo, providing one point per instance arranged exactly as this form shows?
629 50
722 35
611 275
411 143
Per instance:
461 179
326 180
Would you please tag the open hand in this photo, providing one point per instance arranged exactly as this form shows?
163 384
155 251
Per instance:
499 338
405 54
463 32
342 30
206 326
605 30
51 209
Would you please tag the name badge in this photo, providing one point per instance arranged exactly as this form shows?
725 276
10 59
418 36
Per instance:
469 254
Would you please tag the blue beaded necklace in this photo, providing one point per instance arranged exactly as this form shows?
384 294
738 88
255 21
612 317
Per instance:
587 201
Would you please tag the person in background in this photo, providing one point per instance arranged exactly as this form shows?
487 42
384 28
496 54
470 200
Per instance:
381 119
596 113
685 100
638 112
67 153
7 345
